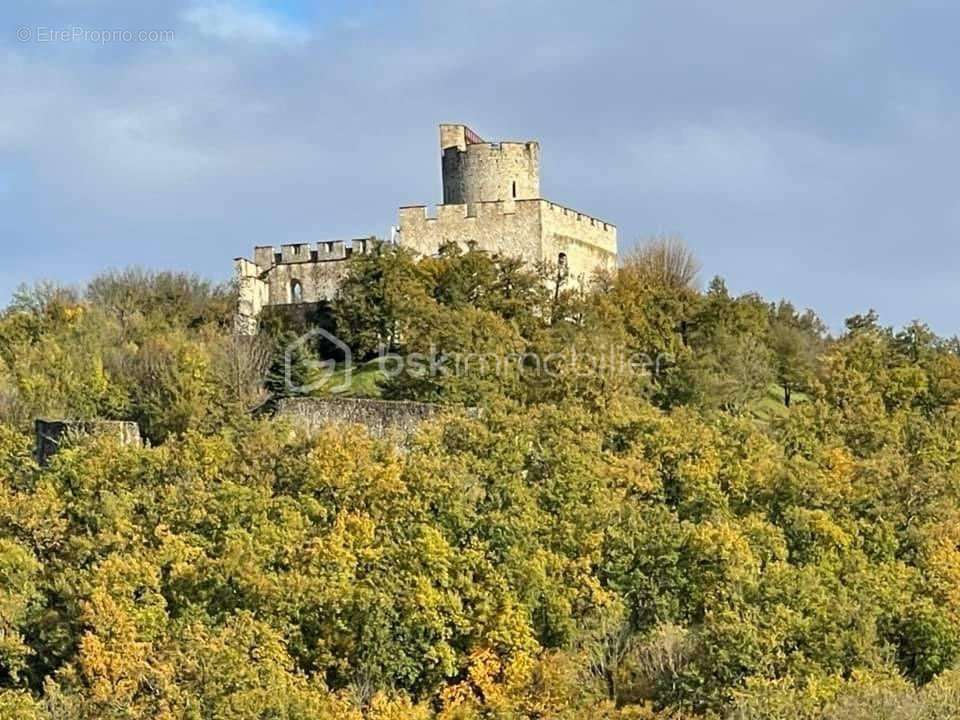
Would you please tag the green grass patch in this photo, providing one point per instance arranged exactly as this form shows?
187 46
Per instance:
361 381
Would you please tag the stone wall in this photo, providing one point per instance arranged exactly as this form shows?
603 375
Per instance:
292 275
507 228
253 294
317 281
457 135
533 230
51 435
587 243
316 269
381 418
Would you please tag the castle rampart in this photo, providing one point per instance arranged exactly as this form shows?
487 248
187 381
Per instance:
491 202
292 274
578 242
505 227
535 230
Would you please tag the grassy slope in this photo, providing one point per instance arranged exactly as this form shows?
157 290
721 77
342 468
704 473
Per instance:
362 381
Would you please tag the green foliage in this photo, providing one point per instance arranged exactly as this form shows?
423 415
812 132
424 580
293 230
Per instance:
142 346
671 535
134 295
381 290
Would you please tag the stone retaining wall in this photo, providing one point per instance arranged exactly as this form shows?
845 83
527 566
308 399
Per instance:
381 418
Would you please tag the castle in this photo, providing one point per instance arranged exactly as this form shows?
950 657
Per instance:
491 202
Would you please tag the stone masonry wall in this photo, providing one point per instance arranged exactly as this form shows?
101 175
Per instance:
533 230
588 244
317 268
318 281
295 274
507 228
381 418
253 294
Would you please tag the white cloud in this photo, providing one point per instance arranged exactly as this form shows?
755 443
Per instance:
246 23
786 153
700 157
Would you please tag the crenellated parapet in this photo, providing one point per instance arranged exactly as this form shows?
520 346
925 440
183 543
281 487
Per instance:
267 256
415 214
456 212
292 274
536 230
579 217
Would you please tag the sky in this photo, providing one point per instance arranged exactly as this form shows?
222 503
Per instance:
804 150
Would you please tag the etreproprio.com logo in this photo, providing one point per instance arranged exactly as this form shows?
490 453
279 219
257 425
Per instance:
95 36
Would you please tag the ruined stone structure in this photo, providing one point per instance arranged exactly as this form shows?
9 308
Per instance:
382 419
491 202
54 434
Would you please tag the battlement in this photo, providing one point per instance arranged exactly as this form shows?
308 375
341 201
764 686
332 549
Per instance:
578 216
267 256
535 230
293 274
451 214
419 214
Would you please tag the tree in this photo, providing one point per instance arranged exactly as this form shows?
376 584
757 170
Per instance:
294 368
666 261
589 543
243 361
380 291
169 297
796 341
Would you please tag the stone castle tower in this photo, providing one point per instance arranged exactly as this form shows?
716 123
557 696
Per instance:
491 202
475 171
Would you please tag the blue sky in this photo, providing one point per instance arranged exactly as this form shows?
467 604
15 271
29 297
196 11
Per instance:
804 150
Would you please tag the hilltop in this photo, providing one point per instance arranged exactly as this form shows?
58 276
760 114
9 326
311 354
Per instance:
666 502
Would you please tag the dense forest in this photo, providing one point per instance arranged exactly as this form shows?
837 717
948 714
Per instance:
760 520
